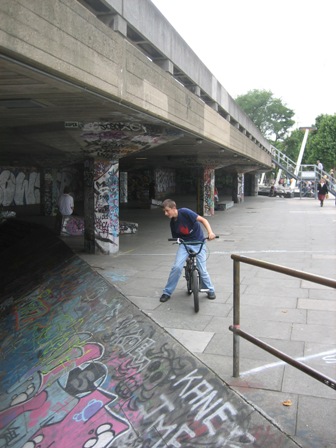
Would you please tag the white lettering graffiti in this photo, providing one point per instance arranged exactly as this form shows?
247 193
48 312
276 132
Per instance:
19 188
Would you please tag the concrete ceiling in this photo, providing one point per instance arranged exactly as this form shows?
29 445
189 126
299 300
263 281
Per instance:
47 122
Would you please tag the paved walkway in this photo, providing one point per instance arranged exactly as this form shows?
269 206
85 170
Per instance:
295 316
83 366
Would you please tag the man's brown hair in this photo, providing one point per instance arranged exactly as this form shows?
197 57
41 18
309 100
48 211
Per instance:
169 203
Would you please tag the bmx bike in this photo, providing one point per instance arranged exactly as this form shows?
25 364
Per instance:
191 272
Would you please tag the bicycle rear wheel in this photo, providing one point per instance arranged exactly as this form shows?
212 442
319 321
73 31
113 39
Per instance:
195 289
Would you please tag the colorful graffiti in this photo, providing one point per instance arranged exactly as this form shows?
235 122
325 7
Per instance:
114 140
82 367
72 225
106 206
208 191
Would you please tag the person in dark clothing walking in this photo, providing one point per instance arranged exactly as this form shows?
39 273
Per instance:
322 190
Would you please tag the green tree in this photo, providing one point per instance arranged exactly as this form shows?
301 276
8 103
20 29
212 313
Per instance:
269 114
322 143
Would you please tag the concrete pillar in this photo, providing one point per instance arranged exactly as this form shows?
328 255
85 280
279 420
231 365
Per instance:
166 65
119 25
123 187
205 201
238 188
241 187
101 206
254 185
49 192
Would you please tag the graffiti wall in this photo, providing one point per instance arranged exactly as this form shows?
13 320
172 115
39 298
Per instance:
72 226
22 186
238 188
106 206
208 191
113 140
123 176
54 182
19 186
82 367
165 182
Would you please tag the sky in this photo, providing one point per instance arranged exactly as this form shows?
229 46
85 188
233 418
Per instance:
287 47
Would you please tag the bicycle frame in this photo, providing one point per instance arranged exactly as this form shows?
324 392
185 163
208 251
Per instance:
190 269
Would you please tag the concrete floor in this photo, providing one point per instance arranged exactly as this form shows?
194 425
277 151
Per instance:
295 316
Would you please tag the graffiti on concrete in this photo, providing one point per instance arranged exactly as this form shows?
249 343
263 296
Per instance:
115 140
123 176
22 186
128 227
85 368
106 205
72 225
19 186
165 181
208 191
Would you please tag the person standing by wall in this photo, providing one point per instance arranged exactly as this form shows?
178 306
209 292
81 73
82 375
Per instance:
65 208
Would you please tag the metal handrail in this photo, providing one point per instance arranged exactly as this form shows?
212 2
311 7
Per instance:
235 328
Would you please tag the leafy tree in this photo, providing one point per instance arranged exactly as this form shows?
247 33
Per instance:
269 114
322 143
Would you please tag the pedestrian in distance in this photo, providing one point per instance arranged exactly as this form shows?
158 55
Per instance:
65 208
322 190
319 166
216 197
66 203
186 224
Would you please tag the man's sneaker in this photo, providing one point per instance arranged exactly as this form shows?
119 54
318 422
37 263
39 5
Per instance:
211 295
164 298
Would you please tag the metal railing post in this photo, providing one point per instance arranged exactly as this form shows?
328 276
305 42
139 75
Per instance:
236 316
237 332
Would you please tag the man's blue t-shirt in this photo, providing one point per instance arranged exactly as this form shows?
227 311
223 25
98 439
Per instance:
186 226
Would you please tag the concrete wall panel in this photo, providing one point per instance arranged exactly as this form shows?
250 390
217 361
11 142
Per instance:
62 37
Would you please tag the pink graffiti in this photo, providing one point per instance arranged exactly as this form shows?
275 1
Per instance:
90 423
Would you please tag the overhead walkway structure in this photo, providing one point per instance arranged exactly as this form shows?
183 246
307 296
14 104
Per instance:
104 96
304 173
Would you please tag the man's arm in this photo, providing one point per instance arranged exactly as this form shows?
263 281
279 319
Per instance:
207 226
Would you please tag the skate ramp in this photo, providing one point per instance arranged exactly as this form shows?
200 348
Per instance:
81 366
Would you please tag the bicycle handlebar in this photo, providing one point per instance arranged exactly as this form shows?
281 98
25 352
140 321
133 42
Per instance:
190 243
180 240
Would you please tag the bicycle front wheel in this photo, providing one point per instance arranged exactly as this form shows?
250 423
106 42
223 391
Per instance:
189 279
195 289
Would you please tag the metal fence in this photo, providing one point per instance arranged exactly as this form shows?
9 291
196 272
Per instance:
238 332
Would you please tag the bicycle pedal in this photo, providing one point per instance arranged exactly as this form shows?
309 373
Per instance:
204 290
